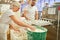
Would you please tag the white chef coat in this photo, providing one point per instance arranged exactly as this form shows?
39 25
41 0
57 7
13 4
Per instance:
5 20
31 11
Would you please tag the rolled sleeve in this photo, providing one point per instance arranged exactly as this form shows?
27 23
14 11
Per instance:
9 13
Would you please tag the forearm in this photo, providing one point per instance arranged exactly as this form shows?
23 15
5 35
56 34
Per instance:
36 16
25 14
20 23
11 26
26 17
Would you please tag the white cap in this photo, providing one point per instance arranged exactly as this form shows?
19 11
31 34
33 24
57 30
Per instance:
16 4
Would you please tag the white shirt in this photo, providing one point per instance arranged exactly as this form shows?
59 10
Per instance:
31 11
5 20
5 17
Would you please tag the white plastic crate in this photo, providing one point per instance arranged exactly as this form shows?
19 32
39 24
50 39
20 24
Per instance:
18 36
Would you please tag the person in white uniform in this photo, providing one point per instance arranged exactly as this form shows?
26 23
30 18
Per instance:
7 18
30 11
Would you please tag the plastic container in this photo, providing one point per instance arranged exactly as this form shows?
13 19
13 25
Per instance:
37 35
18 36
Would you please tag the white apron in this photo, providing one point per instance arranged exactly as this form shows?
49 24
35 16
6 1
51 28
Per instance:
3 31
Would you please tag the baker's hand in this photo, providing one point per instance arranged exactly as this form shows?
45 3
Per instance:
17 30
32 28
27 19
